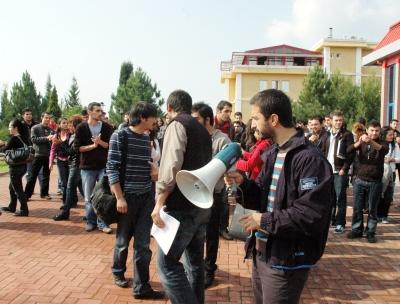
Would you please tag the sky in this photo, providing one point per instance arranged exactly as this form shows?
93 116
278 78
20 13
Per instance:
178 43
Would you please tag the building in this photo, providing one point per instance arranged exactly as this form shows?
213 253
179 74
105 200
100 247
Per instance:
387 56
284 67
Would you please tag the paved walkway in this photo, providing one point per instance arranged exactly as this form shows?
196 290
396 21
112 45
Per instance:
42 261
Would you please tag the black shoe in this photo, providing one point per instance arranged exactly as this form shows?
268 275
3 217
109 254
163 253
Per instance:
7 209
225 235
47 197
120 281
61 217
354 235
150 295
208 280
21 213
371 238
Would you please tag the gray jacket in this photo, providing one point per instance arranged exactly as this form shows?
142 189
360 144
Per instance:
41 143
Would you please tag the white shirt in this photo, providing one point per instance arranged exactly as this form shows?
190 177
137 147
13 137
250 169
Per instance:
331 152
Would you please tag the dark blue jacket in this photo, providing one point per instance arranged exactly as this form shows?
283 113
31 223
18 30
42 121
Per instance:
298 225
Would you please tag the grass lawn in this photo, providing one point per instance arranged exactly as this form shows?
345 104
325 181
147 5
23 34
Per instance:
3 166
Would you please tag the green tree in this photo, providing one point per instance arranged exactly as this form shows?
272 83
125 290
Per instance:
6 113
53 107
24 95
45 99
369 103
72 99
137 87
125 72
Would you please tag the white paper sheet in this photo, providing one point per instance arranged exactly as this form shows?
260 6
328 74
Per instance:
166 235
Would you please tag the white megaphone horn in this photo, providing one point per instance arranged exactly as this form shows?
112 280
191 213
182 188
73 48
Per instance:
198 185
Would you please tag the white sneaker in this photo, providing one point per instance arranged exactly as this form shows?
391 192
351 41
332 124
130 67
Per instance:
107 230
385 220
339 229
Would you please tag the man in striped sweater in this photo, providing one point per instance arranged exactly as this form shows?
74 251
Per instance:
130 173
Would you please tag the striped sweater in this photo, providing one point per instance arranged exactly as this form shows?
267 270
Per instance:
137 173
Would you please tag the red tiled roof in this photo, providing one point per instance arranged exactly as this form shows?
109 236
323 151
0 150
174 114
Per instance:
391 36
283 49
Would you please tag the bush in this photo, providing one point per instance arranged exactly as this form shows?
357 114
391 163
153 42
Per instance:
4 134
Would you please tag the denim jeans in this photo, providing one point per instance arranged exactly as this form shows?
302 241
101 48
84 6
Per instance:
137 224
361 189
63 172
16 190
89 179
184 281
341 183
71 196
212 234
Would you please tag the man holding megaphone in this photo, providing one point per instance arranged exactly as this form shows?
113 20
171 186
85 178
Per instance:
294 193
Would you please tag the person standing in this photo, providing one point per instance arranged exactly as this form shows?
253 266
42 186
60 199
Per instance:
132 185
204 115
28 123
16 171
368 180
42 137
335 150
318 134
184 283
222 120
293 194
91 141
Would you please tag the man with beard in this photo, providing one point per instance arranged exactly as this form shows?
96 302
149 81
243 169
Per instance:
318 133
293 194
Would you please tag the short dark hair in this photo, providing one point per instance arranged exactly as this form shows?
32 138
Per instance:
317 117
204 110
141 110
239 114
374 124
84 112
180 101
91 105
26 110
222 104
44 113
337 113
274 101
393 119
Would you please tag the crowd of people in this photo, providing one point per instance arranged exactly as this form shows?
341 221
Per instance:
296 176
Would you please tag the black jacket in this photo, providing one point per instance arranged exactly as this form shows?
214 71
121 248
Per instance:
298 225
347 139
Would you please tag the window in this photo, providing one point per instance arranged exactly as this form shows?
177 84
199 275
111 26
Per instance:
274 84
262 85
391 93
285 86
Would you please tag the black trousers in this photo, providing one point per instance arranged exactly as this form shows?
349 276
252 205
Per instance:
212 234
38 163
16 189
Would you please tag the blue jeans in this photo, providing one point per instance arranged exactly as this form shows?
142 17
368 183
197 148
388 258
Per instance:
184 282
361 189
63 172
136 223
89 179
341 183
71 197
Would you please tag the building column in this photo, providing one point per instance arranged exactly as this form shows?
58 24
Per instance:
226 85
327 60
238 93
397 89
383 95
358 66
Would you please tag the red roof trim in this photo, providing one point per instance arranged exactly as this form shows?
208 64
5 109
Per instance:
272 49
391 36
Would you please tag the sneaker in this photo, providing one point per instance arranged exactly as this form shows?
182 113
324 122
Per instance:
371 238
225 235
354 235
339 229
150 295
385 220
47 197
61 217
120 281
89 227
106 229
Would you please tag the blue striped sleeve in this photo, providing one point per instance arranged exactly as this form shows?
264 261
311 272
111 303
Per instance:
114 159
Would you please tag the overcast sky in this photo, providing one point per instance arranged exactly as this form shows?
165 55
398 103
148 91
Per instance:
178 43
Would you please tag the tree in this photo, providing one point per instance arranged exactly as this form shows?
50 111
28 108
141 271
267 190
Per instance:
125 72
137 87
24 95
53 107
45 99
6 113
369 103
72 99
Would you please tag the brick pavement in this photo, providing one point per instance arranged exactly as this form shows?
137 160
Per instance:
42 261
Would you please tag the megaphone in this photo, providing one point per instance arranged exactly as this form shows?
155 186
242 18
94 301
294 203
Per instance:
198 185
